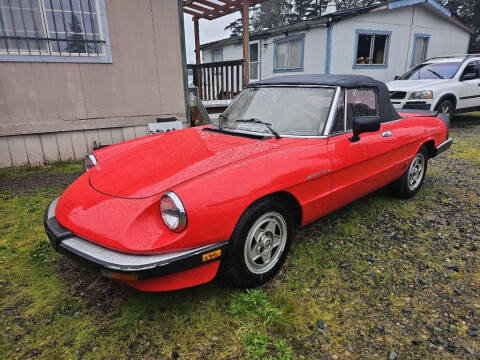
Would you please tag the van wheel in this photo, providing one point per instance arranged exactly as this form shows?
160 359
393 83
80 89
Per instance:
410 182
259 244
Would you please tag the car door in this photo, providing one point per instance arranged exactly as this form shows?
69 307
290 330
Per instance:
469 90
360 167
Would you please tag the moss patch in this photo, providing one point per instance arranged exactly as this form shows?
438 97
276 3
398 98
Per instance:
53 168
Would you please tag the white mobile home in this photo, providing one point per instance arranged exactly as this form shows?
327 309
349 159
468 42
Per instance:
381 40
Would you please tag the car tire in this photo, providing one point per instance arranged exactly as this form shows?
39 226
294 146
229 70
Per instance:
446 107
412 179
267 228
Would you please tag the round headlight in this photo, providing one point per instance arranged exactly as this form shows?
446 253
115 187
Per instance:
90 161
173 212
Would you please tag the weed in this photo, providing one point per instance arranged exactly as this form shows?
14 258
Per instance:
39 253
260 346
255 302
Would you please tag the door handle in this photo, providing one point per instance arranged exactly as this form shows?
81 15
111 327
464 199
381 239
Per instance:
387 133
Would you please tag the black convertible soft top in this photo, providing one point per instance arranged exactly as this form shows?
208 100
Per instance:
386 110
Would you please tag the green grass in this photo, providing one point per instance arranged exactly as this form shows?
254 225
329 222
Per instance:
261 346
53 168
354 272
471 118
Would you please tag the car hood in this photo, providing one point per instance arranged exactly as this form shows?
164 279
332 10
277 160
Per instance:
417 85
154 166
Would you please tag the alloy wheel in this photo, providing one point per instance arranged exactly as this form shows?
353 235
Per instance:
416 171
265 243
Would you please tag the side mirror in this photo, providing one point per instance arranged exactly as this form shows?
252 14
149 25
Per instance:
396 77
469 76
364 124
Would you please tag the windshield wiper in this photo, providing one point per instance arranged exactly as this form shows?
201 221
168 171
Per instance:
435 73
259 121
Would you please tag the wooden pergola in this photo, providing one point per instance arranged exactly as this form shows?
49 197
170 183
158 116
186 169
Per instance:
214 9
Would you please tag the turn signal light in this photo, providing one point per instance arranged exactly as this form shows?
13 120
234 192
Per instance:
211 255
120 276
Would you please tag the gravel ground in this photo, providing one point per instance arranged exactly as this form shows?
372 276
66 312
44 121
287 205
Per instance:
18 185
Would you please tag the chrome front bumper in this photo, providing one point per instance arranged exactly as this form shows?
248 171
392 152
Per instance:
121 265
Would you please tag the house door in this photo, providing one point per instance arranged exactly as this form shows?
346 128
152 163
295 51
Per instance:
254 61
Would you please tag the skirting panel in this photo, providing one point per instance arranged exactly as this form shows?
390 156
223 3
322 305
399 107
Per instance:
40 149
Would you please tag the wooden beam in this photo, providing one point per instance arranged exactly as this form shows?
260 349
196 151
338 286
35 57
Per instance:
223 9
207 3
246 41
196 30
200 8
191 12
212 10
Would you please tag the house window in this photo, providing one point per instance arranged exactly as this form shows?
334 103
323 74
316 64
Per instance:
288 54
372 48
254 61
217 55
420 49
58 28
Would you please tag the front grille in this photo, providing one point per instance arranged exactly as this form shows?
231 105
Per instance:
397 95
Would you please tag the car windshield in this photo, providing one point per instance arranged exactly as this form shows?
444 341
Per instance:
445 70
298 111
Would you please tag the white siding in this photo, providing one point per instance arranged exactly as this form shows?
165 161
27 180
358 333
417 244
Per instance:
403 23
314 53
230 52
445 38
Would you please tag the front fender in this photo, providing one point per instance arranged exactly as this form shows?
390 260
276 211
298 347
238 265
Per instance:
444 96
215 202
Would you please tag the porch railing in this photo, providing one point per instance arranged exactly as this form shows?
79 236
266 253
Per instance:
218 80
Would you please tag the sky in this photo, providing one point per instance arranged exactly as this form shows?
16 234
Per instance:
210 30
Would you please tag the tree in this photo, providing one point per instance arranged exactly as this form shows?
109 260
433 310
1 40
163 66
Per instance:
316 8
271 14
299 9
468 10
76 38
235 28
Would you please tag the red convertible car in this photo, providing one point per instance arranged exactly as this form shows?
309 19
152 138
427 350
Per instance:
169 211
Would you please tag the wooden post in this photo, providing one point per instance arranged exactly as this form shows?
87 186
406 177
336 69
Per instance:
197 39
246 41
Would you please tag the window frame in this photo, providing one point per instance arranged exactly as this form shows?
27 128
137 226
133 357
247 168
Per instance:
105 58
344 90
475 63
359 32
415 37
258 62
288 39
